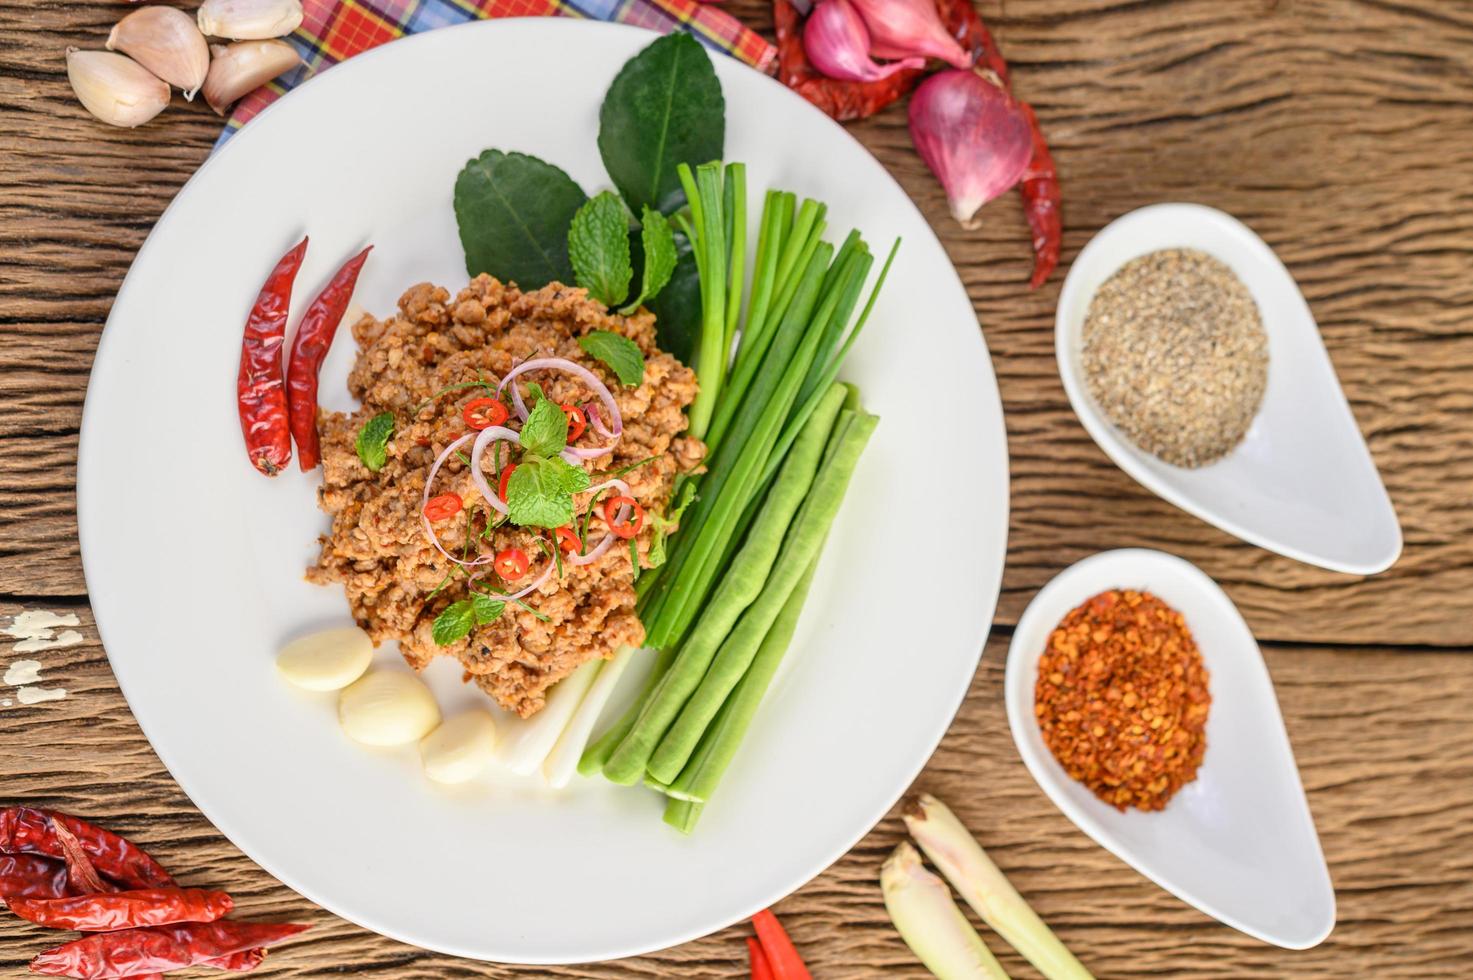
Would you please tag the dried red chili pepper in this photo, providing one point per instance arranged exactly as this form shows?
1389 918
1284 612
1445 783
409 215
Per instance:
243 962
125 910
260 395
158 949
843 100
81 876
1039 184
28 830
28 876
309 348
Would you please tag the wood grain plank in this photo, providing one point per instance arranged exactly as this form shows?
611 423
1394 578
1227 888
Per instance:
1384 741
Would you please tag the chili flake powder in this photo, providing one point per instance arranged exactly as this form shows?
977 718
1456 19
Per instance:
1122 699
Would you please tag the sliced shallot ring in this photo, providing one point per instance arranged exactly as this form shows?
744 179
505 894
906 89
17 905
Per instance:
483 439
608 539
577 370
541 579
425 499
597 422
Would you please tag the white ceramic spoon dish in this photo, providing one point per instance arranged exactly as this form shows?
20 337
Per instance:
1238 842
1302 482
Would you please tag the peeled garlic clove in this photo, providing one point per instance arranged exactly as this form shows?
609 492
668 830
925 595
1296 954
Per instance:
243 67
165 41
249 20
461 748
115 89
328 660
387 707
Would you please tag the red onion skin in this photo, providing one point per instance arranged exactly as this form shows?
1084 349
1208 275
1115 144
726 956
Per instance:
973 135
837 43
902 28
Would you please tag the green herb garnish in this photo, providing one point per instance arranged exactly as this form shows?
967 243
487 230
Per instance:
545 432
459 618
514 211
373 440
621 354
540 491
658 247
598 245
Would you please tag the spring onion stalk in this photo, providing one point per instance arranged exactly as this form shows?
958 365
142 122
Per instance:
787 278
830 370
721 467
704 195
710 546
722 672
959 857
529 742
929 921
598 753
736 248
764 271
562 761
750 574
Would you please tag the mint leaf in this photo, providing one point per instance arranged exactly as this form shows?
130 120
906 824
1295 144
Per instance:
665 525
598 245
545 432
540 491
373 440
617 351
455 622
486 609
513 212
658 248
664 108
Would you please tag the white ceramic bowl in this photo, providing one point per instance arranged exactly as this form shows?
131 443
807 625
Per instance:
1238 842
1302 482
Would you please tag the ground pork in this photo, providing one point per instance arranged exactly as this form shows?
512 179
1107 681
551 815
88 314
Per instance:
396 582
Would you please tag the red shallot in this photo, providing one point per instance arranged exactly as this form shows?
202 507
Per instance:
973 135
902 28
425 499
608 539
562 364
837 43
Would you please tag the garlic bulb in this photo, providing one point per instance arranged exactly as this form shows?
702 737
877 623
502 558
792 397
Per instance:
249 20
461 748
115 89
165 41
328 660
244 66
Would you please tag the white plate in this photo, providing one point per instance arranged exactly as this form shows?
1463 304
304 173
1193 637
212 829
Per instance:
1238 842
195 562
1302 482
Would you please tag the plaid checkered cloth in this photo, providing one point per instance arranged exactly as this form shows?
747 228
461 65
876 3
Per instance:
334 30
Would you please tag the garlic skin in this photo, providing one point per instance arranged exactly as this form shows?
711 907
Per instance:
165 41
837 43
243 67
115 88
973 135
249 20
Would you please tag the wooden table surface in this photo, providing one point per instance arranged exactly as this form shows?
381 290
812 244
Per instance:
1341 131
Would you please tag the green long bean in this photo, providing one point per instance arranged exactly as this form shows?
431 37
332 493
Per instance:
799 549
594 757
743 583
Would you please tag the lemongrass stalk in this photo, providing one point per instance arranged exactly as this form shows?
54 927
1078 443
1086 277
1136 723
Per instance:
529 741
562 761
959 857
921 907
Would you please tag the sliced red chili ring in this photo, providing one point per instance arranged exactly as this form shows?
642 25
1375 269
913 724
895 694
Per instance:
626 529
577 421
505 478
482 413
511 564
443 507
567 539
